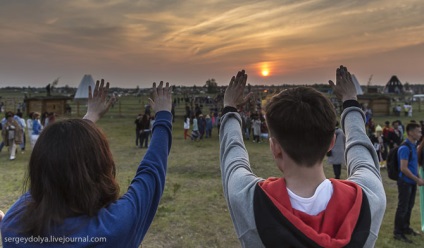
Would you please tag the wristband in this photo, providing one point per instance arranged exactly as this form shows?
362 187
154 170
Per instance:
228 109
350 103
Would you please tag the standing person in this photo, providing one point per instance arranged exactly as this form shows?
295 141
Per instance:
202 125
195 131
407 183
256 125
137 123
144 131
380 147
12 134
186 126
36 129
208 126
152 122
336 155
73 192
303 209
22 123
395 135
248 126
29 123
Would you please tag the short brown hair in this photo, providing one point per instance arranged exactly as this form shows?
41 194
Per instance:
71 172
411 126
303 121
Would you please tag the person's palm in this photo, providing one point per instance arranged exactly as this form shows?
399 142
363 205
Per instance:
233 96
344 88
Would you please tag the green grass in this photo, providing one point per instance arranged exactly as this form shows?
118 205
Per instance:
193 211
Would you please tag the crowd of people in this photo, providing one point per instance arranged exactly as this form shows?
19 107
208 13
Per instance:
14 129
72 190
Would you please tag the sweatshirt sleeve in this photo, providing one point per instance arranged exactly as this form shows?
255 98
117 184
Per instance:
363 166
137 208
238 180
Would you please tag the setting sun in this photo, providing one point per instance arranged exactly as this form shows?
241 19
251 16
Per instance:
265 73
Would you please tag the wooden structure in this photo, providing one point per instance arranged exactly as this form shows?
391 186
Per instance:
379 104
394 86
41 104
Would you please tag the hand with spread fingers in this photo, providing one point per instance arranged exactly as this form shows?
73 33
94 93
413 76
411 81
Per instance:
233 96
161 97
344 88
98 104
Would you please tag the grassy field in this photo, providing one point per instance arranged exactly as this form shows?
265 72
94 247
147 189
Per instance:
193 211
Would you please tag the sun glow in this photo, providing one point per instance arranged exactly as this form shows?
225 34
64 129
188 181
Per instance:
265 72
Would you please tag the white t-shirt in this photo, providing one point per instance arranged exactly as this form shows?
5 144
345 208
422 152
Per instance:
316 203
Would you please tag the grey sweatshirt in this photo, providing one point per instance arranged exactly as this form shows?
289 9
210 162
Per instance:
239 182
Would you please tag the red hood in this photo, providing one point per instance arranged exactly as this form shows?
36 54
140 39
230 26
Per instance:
332 227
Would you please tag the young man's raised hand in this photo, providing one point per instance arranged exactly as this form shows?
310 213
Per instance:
344 88
233 96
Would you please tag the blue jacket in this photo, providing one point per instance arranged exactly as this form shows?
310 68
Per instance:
121 224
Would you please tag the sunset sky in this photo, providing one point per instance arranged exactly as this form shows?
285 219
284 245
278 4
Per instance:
133 43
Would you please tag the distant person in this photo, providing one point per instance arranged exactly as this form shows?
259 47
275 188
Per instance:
407 182
29 123
395 135
256 126
336 154
186 126
398 109
137 123
208 126
73 191
248 126
12 134
144 131
201 122
23 125
195 131
36 129
377 139
303 208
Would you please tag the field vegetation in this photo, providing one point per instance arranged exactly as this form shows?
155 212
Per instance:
193 211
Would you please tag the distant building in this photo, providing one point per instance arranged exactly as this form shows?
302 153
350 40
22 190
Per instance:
379 104
394 86
55 104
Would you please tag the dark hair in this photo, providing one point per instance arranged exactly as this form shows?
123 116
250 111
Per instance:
303 121
71 172
411 126
9 114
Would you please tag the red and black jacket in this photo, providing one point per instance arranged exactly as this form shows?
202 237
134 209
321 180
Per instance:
344 223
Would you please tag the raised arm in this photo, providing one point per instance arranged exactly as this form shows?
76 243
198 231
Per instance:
238 180
98 104
361 157
360 154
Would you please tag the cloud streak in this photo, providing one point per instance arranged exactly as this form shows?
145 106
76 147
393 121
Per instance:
191 41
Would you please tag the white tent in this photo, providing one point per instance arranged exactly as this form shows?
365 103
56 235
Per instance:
82 91
357 85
